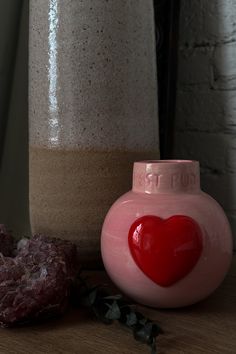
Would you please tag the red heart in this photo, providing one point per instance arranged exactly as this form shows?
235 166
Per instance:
165 250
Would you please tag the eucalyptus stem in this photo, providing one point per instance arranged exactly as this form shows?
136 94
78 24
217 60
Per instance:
109 308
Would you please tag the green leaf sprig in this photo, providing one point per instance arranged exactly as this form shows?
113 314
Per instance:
109 308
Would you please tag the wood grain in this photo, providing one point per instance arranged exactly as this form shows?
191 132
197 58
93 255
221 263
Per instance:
206 328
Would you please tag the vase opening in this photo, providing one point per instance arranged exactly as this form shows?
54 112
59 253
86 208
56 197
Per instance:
168 161
166 176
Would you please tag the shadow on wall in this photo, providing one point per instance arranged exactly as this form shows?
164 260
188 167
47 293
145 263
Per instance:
206 97
14 157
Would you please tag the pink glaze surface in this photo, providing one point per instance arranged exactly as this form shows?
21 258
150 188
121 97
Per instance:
165 189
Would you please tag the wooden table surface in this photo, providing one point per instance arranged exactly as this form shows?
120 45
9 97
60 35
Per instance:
208 327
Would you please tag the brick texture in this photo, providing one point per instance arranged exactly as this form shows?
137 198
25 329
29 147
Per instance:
206 96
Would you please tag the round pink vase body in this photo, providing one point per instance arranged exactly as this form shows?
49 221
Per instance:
166 243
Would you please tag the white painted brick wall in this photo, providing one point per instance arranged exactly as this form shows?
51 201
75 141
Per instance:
206 96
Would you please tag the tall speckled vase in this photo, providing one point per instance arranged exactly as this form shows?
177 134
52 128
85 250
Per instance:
92 111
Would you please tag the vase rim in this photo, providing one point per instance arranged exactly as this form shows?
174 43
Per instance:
165 176
168 161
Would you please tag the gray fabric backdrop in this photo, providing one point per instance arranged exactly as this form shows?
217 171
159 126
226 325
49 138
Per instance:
13 115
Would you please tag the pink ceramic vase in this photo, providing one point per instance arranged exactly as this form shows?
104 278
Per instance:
166 243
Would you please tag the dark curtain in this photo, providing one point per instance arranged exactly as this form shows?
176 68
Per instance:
167 24
14 115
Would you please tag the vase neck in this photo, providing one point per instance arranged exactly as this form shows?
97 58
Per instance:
166 176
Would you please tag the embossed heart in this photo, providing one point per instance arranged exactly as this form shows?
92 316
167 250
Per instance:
166 250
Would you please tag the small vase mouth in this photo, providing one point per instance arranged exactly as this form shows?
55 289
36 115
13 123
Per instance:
168 161
166 176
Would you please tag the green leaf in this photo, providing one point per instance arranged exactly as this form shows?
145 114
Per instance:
92 296
99 313
131 319
125 311
114 311
143 321
144 334
141 318
153 347
113 297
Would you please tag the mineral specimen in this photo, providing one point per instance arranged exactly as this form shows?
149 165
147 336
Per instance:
36 282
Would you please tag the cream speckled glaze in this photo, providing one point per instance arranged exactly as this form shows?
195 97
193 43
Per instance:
92 110
93 74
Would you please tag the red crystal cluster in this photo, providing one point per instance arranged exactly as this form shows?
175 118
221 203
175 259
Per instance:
35 277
